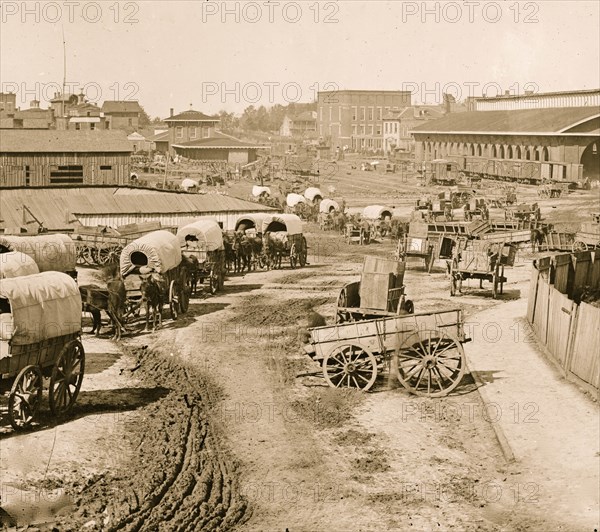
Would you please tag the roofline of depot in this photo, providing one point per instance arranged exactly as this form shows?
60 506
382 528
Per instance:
509 133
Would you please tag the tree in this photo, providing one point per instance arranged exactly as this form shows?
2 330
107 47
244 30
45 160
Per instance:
144 118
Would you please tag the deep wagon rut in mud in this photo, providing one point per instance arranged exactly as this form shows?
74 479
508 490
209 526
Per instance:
181 478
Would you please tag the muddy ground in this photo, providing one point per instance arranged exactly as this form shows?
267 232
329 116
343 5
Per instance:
219 421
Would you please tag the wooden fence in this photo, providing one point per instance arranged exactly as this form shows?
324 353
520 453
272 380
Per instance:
569 332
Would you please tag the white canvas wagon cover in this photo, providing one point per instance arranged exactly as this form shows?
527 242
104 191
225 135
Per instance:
289 223
158 250
16 264
375 212
312 192
251 221
43 306
293 199
208 233
51 253
327 205
257 191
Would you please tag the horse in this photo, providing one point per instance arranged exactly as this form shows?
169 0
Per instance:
152 290
274 249
538 236
192 266
111 299
230 252
244 252
256 244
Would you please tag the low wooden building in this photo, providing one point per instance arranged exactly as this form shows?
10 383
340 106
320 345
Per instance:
219 149
35 158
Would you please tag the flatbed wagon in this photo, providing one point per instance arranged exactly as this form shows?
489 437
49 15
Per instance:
425 351
40 334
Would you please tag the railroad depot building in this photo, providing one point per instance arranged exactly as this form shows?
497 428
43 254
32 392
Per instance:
566 138
37 158
221 148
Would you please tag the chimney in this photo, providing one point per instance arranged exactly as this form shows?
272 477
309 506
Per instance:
528 93
35 104
171 112
80 97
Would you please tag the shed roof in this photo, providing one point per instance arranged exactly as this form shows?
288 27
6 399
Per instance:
522 121
121 106
220 143
59 208
45 141
192 116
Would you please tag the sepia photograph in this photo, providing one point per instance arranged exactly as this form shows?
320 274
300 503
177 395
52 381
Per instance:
299 266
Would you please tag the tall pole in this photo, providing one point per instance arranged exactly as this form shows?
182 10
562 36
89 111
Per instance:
64 114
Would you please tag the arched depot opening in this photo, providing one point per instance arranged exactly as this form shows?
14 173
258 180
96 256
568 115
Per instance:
590 159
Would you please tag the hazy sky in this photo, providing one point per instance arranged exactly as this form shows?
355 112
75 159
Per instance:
228 55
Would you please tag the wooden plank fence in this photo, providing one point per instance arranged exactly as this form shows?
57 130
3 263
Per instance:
569 332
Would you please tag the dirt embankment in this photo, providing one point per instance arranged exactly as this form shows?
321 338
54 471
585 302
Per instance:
179 477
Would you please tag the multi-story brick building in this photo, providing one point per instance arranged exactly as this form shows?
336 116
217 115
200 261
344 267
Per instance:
8 102
354 118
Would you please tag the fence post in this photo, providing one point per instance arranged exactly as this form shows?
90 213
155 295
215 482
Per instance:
571 342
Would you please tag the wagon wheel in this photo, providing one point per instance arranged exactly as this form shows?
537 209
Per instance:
303 253
430 363
184 299
101 256
579 245
173 303
25 397
80 256
66 379
350 366
293 256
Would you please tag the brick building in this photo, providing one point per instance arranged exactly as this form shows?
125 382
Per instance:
122 114
354 118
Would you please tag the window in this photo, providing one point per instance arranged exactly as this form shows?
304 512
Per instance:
362 129
106 125
193 132
205 132
379 113
92 126
105 167
77 126
130 121
354 116
362 113
378 129
545 155
370 131
27 176
537 155
88 113
71 174
370 114
179 132
354 128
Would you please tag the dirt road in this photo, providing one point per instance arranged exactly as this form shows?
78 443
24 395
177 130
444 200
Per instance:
223 423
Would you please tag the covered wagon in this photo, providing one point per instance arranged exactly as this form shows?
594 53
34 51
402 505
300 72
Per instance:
283 238
156 256
202 243
377 212
258 191
313 194
294 199
329 206
40 328
252 223
51 253
16 264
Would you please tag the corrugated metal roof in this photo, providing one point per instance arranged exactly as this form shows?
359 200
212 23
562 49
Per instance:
58 208
45 141
518 121
216 143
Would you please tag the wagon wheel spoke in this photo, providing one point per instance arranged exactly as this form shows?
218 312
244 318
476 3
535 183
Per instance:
66 378
430 364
